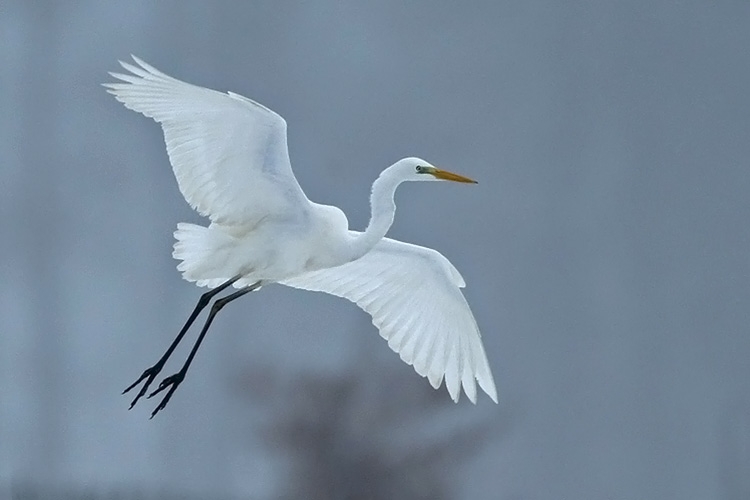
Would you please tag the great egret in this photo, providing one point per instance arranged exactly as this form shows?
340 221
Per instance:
229 155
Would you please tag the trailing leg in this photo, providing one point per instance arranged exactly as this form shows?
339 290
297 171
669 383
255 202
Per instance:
150 373
174 380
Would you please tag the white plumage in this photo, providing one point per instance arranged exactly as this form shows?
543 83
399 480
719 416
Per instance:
231 161
413 296
228 152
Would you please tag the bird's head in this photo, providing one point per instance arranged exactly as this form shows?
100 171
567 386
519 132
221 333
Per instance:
417 169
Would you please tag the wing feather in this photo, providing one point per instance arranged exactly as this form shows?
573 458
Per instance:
413 295
229 153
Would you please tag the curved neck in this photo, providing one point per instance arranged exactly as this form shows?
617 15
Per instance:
383 209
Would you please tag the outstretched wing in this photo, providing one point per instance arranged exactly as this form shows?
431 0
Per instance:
413 295
229 153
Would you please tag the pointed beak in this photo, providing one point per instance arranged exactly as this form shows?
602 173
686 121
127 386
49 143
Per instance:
450 176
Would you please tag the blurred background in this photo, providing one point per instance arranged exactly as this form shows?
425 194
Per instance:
605 250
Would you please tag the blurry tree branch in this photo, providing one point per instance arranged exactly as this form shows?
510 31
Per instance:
366 436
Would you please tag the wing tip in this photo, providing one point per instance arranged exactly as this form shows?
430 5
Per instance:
488 386
147 67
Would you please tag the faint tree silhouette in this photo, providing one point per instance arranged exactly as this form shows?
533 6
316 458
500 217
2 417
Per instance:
365 437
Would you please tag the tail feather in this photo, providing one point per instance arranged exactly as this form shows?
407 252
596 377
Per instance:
202 250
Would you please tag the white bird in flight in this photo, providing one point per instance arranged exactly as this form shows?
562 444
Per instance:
230 157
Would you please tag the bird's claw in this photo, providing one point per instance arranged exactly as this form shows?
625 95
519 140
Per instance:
149 374
172 382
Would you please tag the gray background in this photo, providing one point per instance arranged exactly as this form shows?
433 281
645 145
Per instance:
605 250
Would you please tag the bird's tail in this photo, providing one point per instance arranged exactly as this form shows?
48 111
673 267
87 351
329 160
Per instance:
202 252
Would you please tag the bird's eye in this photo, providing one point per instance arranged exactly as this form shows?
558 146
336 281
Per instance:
420 168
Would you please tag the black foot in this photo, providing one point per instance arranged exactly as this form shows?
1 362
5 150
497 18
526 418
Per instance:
172 382
149 375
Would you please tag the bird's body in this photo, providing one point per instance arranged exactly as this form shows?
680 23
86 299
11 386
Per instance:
230 158
211 255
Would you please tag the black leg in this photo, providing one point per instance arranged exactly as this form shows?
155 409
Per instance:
150 373
174 380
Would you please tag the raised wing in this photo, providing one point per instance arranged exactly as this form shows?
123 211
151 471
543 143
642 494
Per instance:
229 153
413 295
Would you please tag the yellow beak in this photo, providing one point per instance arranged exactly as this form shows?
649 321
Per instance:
450 176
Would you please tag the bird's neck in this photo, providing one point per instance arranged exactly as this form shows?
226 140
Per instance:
383 209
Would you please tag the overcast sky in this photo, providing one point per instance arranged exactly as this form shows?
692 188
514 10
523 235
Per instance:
605 250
